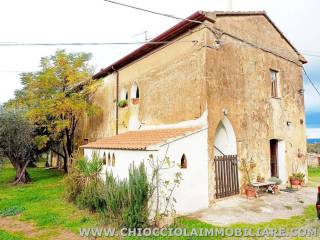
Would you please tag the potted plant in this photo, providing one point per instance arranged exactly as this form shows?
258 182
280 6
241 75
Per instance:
277 181
123 103
247 168
135 101
297 179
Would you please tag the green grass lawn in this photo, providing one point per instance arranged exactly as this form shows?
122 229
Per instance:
42 203
314 176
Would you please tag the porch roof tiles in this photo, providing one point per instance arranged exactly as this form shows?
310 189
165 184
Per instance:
139 140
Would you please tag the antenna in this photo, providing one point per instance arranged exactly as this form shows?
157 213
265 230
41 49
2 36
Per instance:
145 33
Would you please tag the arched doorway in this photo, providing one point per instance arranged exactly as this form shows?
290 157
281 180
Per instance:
225 142
225 160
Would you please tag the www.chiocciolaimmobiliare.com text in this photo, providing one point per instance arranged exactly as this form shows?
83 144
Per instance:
201 232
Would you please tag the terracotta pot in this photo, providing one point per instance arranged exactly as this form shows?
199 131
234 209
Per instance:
295 182
250 192
135 101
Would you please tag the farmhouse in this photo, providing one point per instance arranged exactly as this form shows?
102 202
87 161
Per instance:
212 90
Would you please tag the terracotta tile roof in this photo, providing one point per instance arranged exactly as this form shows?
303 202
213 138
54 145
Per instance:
139 140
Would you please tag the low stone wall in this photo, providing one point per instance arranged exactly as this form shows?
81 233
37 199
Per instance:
313 160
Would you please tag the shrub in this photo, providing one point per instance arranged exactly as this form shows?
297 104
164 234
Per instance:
91 197
136 215
83 183
122 203
127 200
116 199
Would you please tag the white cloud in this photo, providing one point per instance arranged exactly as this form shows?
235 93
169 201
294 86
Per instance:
313 133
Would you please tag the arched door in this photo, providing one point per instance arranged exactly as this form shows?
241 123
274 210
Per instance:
225 160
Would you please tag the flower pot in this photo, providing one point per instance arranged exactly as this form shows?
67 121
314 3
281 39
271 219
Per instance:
250 192
295 182
276 189
135 101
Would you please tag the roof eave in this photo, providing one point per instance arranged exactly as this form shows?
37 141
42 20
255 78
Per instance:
168 35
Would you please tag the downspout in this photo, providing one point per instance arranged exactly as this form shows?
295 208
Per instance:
117 100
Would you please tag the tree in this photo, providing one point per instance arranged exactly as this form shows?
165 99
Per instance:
17 142
55 98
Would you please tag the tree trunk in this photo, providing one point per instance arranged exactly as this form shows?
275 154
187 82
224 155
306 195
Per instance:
25 178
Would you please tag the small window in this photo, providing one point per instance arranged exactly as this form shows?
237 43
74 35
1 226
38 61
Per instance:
109 160
104 159
113 160
124 94
135 93
85 141
275 84
183 163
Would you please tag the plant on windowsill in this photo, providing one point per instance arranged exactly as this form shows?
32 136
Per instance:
247 167
297 179
123 103
135 101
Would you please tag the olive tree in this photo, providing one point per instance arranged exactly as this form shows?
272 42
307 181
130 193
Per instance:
17 142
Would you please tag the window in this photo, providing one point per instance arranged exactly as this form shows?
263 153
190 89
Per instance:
109 160
135 94
183 163
113 160
104 159
85 141
275 85
124 94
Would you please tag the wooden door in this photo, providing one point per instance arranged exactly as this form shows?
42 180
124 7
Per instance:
274 158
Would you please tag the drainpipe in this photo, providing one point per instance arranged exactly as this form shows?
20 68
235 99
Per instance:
117 100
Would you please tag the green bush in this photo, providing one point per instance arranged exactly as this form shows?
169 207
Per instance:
127 200
136 215
91 197
84 185
121 203
116 198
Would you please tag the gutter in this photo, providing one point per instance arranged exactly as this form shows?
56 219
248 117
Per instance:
117 100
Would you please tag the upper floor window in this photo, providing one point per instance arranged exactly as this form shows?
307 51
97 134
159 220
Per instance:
124 94
135 91
275 84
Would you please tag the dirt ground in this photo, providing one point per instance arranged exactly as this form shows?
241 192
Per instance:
13 225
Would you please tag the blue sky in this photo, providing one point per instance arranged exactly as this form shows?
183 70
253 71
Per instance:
312 100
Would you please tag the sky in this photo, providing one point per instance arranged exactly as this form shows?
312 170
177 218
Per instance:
98 21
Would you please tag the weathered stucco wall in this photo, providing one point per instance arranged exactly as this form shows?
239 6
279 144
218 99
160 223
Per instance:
170 82
178 81
239 84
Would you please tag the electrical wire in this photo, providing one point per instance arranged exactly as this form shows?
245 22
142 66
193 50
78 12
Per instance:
15 44
312 83
153 12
